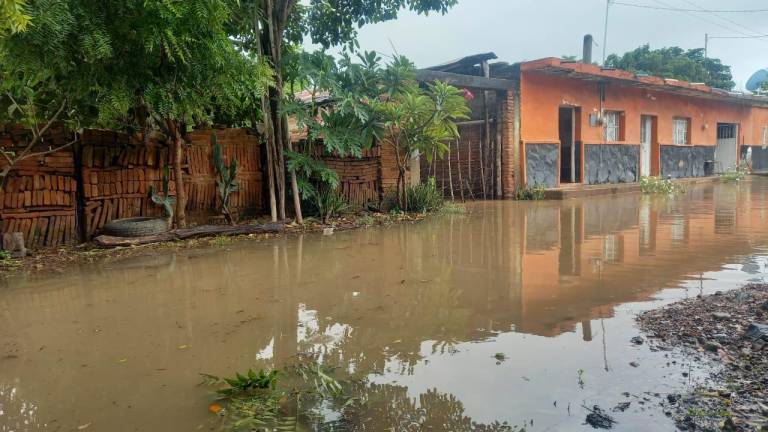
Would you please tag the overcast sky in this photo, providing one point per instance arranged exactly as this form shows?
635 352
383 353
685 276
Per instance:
529 29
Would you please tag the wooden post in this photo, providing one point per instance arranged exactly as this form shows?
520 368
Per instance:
450 176
458 162
486 130
499 143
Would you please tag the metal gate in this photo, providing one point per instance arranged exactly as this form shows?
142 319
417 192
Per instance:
726 152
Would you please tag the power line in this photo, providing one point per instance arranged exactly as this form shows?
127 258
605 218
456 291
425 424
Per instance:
669 8
701 18
756 32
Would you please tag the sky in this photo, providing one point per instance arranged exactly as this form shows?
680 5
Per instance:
519 30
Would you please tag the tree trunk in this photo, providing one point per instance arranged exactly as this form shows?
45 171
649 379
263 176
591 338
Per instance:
267 122
178 157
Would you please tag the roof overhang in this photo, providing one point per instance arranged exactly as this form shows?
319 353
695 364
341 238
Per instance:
461 80
590 72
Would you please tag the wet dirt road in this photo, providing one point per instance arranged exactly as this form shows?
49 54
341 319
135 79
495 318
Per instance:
419 310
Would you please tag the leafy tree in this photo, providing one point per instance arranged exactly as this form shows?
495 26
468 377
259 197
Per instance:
142 64
266 26
420 121
13 16
675 62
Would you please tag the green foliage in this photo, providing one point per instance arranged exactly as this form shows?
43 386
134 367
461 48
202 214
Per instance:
251 381
735 174
328 203
262 401
166 200
674 62
660 186
227 177
530 193
128 63
452 208
422 198
5 256
13 16
365 220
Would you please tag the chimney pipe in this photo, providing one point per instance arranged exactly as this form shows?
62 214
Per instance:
587 53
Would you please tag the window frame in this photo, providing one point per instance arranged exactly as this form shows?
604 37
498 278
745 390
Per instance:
687 131
618 127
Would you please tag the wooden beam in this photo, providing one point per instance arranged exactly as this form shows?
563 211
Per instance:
465 80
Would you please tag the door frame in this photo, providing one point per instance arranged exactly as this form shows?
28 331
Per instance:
736 132
655 149
575 141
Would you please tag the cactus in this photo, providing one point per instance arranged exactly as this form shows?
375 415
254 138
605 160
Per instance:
226 182
165 199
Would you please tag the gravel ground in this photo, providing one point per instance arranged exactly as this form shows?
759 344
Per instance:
727 332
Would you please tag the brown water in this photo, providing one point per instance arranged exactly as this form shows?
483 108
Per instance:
420 310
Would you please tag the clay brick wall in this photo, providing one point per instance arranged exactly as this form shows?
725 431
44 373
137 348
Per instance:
38 198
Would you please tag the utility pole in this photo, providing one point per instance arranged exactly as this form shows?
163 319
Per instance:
605 29
706 45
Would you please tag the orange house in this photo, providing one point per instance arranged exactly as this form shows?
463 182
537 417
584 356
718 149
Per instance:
564 122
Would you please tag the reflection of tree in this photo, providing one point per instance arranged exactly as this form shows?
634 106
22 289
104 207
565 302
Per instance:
388 407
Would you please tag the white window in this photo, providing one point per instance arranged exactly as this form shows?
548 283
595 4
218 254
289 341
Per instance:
612 121
680 127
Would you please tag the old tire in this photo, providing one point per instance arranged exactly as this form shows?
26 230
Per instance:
135 227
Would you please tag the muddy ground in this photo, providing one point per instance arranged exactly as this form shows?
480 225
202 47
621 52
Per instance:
58 259
729 333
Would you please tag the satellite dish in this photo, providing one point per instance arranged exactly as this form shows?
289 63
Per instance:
757 79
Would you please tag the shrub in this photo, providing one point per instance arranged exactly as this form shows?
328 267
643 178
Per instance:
5 256
660 186
328 203
422 198
735 174
530 193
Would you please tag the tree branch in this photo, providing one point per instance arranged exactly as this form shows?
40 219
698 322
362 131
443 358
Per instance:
53 150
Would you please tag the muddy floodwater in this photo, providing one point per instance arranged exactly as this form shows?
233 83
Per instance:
419 310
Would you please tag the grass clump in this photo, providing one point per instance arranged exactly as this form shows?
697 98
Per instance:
327 203
530 193
422 198
5 257
660 186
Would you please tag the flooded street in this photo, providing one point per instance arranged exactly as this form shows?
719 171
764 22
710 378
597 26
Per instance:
420 310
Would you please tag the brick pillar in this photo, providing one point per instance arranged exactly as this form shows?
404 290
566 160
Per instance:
509 160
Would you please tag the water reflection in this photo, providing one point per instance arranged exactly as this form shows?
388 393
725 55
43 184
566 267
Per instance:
414 307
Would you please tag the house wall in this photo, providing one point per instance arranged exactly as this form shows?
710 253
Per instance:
542 95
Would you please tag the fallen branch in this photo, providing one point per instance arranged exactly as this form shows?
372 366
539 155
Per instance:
106 241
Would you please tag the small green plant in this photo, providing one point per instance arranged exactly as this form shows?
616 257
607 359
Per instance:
220 241
660 186
453 209
328 203
500 357
227 178
165 200
530 193
736 173
365 220
248 383
5 256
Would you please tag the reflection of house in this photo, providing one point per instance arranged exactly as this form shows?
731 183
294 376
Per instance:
549 122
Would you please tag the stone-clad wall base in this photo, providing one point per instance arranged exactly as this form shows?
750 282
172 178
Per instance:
685 161
541 164
759 157
611 163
